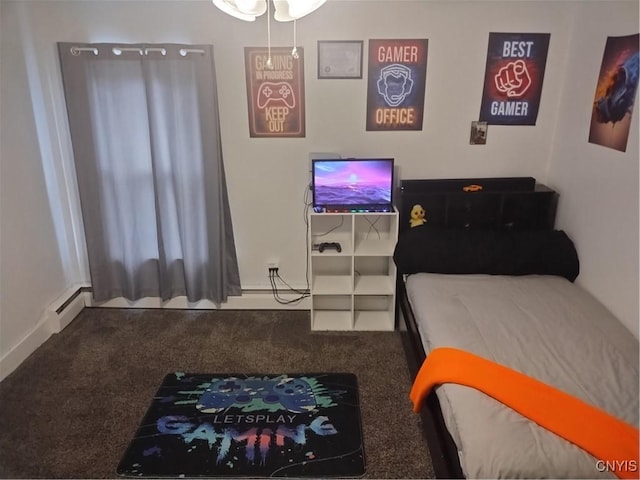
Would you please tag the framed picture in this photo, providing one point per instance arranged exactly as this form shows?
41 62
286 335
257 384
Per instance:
340 59
478 133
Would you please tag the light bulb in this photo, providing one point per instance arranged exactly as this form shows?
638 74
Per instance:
269 63
252 7
300 9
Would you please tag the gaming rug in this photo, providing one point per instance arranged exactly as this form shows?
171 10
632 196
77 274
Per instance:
237 425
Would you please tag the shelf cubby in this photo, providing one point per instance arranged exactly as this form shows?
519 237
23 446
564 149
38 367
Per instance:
331 228
332 312
372 312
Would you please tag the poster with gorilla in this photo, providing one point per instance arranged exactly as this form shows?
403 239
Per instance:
615 93
513 78
396 84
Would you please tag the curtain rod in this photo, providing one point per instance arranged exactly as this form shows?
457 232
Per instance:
142 51
77 50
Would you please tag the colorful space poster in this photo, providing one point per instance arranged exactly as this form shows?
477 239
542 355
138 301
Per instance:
397 78
275 93
513 78
615 93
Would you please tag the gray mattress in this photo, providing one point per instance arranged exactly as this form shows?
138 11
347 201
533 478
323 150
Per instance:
545 327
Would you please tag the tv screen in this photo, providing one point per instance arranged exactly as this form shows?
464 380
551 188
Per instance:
352 182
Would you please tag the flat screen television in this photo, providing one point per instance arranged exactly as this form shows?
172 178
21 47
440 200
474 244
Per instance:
352 184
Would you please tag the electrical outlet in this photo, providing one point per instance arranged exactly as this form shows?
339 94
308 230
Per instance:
272 267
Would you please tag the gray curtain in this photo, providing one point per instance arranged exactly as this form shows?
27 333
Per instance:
146 142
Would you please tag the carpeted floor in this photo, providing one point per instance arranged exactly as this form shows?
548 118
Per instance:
70 410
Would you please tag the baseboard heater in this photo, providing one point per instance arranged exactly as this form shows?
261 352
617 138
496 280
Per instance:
251 299
73 296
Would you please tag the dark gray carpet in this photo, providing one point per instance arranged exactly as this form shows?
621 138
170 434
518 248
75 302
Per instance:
70 410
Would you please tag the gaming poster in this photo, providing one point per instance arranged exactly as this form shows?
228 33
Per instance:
275 92
513 78
396 85
615 93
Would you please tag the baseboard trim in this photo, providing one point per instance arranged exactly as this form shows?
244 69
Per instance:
55 318
21 351
254 299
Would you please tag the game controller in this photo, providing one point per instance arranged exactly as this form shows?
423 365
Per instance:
274 91
335 245
293 394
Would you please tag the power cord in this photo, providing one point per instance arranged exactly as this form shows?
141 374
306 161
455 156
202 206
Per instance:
372 225
274 275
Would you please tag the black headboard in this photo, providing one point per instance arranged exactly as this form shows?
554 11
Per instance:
507 203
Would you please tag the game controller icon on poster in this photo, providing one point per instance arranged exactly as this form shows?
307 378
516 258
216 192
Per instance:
293 394
270 92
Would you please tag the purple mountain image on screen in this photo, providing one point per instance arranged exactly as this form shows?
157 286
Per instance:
353 182
352 195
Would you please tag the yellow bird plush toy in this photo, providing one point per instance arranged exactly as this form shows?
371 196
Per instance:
417 216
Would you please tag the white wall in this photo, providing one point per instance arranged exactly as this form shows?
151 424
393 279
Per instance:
32 275
267 177
599 186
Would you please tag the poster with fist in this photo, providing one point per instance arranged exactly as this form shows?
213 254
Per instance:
513 78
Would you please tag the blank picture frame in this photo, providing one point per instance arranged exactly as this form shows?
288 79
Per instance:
340 59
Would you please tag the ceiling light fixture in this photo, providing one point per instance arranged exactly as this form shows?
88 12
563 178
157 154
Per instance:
285 11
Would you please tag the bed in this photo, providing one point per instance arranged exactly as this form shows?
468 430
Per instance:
488 274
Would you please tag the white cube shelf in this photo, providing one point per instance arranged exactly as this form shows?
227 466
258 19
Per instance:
353 289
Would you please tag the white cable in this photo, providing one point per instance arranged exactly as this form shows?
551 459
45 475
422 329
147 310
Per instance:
294 52
269 62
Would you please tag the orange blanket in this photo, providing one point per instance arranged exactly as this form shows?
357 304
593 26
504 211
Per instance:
607 438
